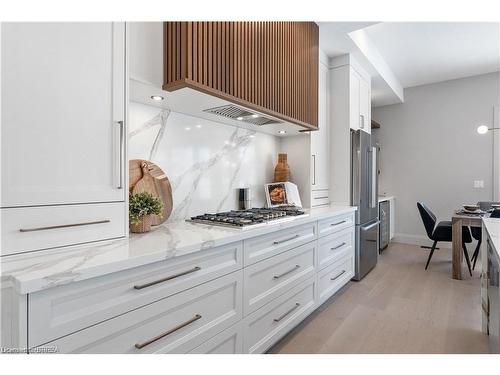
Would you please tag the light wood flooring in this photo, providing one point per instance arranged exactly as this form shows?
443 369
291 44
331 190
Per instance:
397 308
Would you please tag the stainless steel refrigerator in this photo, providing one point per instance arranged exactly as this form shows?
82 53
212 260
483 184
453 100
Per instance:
364 195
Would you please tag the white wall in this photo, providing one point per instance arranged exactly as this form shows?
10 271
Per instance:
431 151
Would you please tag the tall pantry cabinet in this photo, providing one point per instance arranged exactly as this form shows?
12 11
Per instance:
320 141
63 124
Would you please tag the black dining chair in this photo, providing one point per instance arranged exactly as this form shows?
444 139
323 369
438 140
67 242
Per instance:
442 232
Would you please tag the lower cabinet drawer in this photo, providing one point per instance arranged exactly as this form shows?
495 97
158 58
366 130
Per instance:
335 224
172 325
267 325
334 277
229 341
37 228
268 245
59 311
266 280
332 247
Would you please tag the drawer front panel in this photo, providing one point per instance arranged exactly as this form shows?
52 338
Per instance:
268 245
266 280
37 228
335 224
59 311
320 198
267 325
173 325
334 277
229 341
334 246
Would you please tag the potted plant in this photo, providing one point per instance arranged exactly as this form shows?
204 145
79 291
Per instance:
140 210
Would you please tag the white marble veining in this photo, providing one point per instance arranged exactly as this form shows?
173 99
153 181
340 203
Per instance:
38 271
205 161
493 228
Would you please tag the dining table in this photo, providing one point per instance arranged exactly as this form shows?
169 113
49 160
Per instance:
458 220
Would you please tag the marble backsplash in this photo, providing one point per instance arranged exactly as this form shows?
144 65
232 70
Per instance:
205 161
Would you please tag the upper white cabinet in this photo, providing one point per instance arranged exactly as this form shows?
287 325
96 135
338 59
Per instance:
320 143
350 103
62 113
360 101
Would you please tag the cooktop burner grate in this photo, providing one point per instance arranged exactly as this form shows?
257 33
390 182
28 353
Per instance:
248 218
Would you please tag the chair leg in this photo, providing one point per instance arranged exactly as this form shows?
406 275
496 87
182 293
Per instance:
467 257
430 254
476 254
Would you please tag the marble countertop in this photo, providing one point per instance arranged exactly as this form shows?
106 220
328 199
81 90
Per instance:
493 228
36 271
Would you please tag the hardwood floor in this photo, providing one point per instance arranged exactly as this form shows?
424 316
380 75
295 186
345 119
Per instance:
397 308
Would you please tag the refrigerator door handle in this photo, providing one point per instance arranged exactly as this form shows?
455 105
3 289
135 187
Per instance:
370 226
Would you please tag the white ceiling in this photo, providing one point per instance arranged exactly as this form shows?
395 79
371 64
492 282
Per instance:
421 53
417 53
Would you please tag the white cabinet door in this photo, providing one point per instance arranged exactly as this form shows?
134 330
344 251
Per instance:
365 105
320 150
354 102
63 113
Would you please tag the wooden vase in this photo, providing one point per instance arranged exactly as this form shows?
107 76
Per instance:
144 226
282 170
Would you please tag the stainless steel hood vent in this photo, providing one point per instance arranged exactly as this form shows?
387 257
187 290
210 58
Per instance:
239 114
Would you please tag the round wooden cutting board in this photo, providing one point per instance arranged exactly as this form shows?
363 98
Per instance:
147 176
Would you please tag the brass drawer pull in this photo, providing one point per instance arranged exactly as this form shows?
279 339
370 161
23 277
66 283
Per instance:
141 345
167 278
336 277
64 226
287 272
286 240
337 223
338 246
288 312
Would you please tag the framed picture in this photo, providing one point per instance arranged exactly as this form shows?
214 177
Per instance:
282 194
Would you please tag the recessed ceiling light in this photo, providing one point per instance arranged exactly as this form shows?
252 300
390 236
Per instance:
158 98
282 132
187 128
255 116
239 118
198 126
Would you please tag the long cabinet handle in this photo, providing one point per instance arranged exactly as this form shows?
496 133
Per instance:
286 239
314 169
336 277
64 226
288 312
121 153
337 223
141 345
142 286
286 272
338 246
320 197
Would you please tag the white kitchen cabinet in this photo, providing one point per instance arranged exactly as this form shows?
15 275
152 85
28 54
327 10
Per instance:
63 113
320 144
360 101
177 324
350 102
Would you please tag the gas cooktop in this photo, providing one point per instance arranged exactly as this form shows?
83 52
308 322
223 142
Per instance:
250 218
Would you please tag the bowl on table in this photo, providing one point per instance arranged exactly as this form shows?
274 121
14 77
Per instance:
470 207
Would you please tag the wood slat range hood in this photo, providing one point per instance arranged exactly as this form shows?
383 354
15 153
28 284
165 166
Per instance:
269 68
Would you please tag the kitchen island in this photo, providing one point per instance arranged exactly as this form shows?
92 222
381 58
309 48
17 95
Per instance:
208 288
